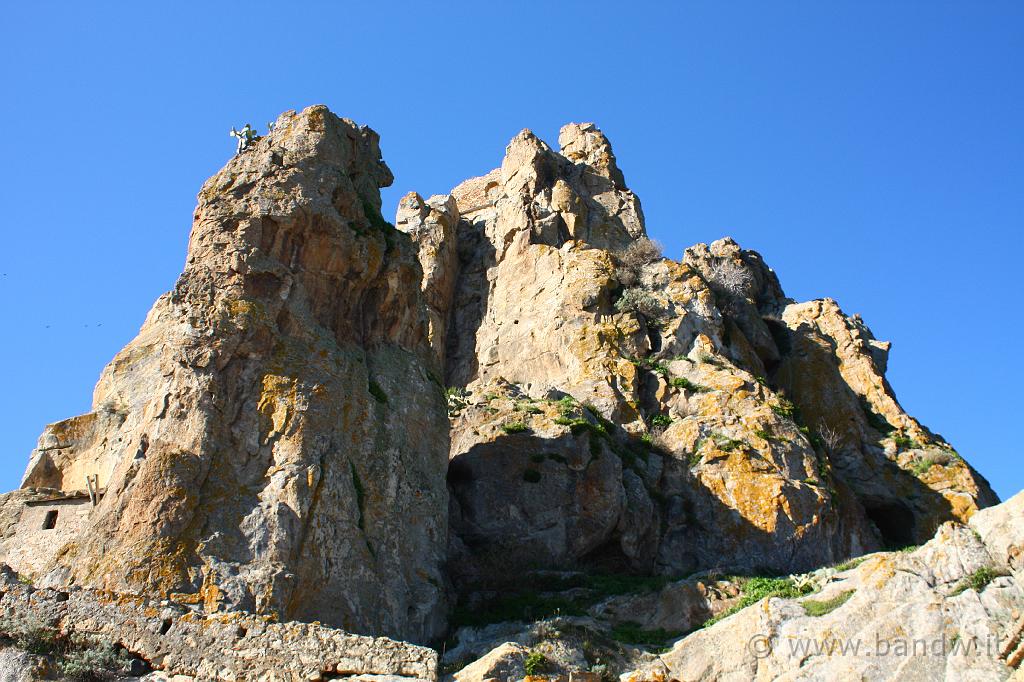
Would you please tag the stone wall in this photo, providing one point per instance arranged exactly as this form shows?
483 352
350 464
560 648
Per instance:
182 641
43 528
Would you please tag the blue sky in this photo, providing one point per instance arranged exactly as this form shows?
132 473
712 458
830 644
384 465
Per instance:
871 151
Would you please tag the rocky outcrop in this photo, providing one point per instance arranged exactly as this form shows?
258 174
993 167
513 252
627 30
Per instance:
178 640
835 373
951 610
431 223
711 421
274 439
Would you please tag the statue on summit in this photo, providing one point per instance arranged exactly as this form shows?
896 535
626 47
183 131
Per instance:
246 136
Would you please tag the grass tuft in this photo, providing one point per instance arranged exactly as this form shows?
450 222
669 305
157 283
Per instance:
977 581
686 384
817 608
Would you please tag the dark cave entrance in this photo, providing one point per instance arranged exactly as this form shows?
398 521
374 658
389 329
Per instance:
894 521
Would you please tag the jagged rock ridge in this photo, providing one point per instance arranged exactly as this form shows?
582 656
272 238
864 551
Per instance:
730 427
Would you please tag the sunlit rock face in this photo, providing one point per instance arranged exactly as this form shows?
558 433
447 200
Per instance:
277 439
274 439
730 427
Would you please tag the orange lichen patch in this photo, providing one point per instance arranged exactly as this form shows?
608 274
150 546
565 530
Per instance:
962 507
878 570
597 342
277 401
758 497
245 313
728 383
209 593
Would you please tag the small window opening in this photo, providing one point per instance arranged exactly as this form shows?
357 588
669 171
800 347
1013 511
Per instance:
50 521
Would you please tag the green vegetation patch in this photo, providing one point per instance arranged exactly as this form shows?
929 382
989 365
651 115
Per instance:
633 634
536 663
760 587
817 608
684 383
851 564
661 421
787 409
977 581
521 606
514 427
904 442
534 595
932 459
75 657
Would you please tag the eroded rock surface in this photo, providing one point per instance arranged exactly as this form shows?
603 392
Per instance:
177 640
274 439
714 422
951 610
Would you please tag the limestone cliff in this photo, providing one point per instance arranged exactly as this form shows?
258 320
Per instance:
274 439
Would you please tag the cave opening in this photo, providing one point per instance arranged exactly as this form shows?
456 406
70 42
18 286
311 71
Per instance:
894 521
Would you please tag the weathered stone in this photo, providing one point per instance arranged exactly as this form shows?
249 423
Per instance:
733 482
503 663
906 616
17 666
177 640
274 439
432 224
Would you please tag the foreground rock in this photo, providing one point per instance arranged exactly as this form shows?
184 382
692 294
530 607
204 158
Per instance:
951 610
180 641
274 440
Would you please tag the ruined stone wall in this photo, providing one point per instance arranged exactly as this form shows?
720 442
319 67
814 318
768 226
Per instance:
236 646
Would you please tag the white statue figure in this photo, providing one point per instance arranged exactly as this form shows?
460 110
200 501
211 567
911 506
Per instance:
246 136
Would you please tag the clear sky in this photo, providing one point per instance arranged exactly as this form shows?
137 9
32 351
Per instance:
871 151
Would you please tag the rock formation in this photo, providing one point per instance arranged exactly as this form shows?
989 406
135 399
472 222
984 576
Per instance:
274 439
662 416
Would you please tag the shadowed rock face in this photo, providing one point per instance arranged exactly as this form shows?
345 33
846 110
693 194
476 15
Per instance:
739 429
274 439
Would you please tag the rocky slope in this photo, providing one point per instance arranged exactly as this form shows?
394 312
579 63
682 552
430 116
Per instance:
275 440
179 641
951 610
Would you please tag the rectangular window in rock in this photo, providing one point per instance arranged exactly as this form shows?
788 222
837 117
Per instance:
51 520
